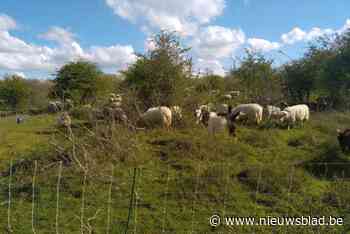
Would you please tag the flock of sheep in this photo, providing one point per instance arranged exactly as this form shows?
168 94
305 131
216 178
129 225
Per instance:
225 115
216 119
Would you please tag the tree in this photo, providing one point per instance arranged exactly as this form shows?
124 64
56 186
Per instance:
106 84
210 82
337 71
14 92
78 81
323 71
159 76
39 92
257 78
300 78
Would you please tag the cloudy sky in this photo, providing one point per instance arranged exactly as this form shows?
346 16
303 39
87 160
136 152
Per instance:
38 36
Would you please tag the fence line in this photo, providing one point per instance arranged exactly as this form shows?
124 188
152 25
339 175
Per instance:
110 201
165 201
132 197
33 194
82 209
58 195
195 197
9 227
138 196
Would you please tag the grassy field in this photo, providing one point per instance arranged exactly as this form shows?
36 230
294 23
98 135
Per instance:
18 139
182 178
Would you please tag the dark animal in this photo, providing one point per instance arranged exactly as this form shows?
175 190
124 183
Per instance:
231 117
283 105
19 119
313 106
344 139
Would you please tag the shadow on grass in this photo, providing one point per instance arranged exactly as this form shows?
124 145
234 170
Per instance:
331 164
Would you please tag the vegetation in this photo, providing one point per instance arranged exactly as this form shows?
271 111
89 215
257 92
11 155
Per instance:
120 178
78 81
14 92
323 71
258 80
160 76
184 177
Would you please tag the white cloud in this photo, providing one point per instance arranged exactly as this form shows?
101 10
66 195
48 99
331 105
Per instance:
114 56
297 34
345 27
7 23
16 54
183 16
317 32
21 74
213 66
58 34
293 36
262 45
215 42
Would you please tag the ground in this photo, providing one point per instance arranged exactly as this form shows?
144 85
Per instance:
183 177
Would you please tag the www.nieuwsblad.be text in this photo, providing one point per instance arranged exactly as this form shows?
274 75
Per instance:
216 221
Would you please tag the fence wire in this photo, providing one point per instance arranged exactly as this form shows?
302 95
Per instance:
163 200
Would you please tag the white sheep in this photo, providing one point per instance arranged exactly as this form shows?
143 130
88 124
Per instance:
252 111
293 114
217 124
157 116
272 111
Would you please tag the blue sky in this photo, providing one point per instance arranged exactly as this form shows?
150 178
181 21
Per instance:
37 37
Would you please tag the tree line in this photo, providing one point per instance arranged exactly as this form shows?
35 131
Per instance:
164 76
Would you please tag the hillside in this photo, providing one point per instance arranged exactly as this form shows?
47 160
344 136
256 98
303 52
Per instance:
183 177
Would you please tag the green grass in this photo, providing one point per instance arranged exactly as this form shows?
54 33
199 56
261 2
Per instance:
184 177
18 139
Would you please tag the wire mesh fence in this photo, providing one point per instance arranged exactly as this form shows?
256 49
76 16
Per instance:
163 200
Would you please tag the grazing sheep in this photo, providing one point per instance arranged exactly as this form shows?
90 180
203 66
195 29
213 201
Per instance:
253 112
218 124
157 116
294 114
277 115
344 139
271 111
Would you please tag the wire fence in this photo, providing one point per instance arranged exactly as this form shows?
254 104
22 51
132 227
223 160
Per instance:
166 200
